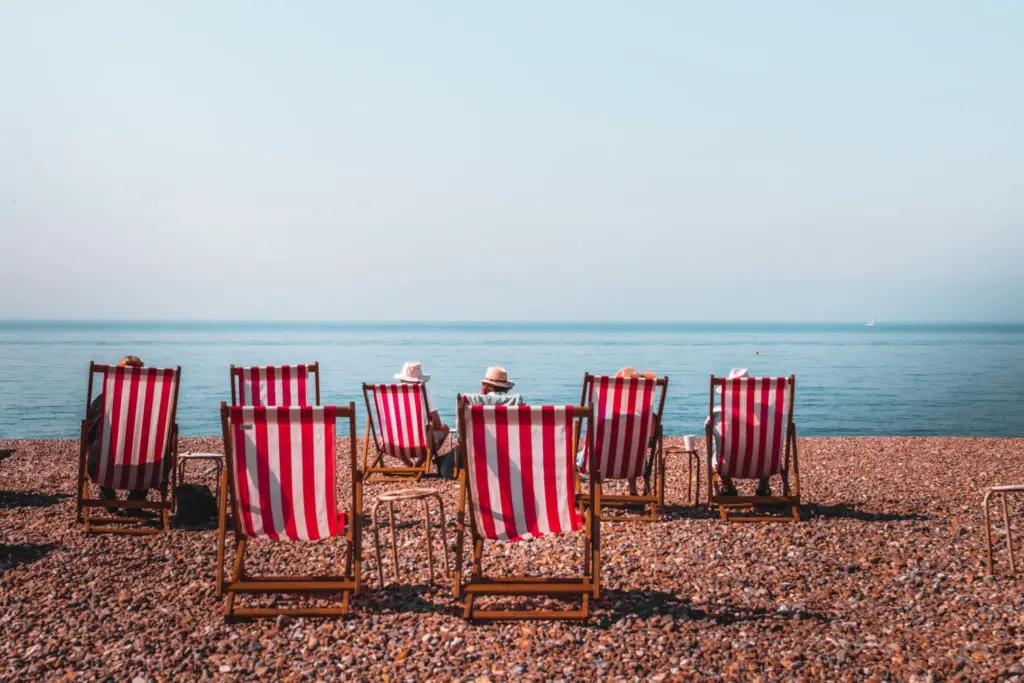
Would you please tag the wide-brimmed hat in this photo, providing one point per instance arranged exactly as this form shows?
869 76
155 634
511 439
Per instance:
412 371
497 376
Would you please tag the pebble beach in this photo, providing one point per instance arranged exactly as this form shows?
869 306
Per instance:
884 579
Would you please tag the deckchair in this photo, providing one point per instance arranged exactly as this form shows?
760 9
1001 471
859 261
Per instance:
284 385
517 481
137 444
396 416
755 437
283 473
627 426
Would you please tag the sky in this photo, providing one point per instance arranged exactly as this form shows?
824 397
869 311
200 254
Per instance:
792 161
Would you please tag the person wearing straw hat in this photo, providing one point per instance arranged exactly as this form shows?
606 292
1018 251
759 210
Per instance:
412 373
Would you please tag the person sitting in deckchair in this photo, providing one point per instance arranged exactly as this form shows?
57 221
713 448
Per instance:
624 373
728 487
93 419
412 373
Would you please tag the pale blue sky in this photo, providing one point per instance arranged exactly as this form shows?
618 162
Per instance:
570 160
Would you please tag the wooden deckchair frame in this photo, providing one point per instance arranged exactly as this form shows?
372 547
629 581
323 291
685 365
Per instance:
85 504
586 585
654 492
240 582
313 369
790 494
371 428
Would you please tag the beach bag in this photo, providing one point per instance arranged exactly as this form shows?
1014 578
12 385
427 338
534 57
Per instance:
446 464
196 505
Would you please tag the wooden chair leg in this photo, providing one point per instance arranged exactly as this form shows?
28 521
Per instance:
1009 536
430 549
376 544
394 545
444 535
221 532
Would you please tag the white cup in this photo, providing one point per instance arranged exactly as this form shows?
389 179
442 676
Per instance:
690 442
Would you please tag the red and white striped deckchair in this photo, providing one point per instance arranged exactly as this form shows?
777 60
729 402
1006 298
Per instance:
137 443
753 437
518 481
284 483
627 435
283 385
397 417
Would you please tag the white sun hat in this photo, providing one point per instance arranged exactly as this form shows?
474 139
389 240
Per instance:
412 371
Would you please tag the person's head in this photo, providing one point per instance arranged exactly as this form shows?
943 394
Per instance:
630 373
412 373
130 362
495 380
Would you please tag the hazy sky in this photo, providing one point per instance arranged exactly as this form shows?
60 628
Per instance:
526 160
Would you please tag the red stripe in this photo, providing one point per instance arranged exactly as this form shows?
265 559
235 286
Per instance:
263 475
646 419
168 395
504 477
607 454
396 415
413 430
129 472
570 493
526 467
308 472
145 454
382 399
734 403
421 418
272 389
547 416
254 386
241 472
762 441
284 448
479 456
334 519
630 456
781 415
750 459
303 398
109 479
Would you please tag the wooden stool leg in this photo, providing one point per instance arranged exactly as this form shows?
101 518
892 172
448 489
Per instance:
985 503
376 543
394 545
430 549
689 477
1009 536
444 536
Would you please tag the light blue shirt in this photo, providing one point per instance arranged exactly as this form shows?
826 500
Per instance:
492 399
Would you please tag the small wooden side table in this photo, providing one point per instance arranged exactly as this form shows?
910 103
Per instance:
392 497
216 458
1001 492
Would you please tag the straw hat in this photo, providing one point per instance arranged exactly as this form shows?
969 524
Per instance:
497 376
630 373
130 362
412 371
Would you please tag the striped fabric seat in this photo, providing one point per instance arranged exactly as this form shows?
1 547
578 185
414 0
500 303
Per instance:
520 470
401 421
284 472
284 385
624 422
753 428
136 425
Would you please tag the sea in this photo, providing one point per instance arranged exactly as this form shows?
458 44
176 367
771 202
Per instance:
851 379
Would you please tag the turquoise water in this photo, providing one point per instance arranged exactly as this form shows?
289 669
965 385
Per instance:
921 379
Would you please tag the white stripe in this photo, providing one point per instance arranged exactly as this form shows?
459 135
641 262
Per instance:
251 473
139 472
471 467
620 443
320 471
515 467
157 428
122 423
107 421
276 521
540 483
561 469
298 483
493 483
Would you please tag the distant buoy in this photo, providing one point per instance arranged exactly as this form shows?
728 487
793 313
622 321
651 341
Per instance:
756 352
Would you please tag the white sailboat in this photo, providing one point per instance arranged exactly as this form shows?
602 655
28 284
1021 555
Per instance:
870 323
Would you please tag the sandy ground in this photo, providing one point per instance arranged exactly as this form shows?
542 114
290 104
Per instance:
884 580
